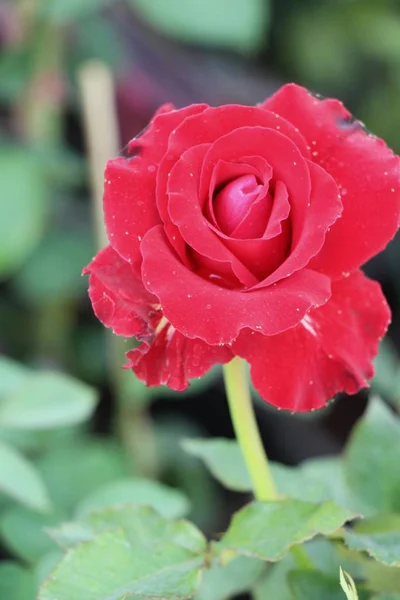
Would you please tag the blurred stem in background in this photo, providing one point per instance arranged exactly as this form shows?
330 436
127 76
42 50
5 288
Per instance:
101 128
38 117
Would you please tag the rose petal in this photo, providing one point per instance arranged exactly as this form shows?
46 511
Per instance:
313 207
312 225
330 351
172 359
211 124
226 171
118 298
199 309
129 189
233 202
280 210
367 172
185 212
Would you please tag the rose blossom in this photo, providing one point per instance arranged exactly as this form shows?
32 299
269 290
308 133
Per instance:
240 230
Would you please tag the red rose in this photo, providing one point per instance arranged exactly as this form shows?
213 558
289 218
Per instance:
240 230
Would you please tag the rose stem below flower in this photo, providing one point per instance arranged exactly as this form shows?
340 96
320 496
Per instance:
101 129
249 439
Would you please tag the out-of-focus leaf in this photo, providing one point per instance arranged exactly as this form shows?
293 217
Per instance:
274 584
387 372
167 501
76 468
386 597
20 480
236 24
53 271
46 564
315 480
267 530
222 582
374 448
16 583
379 537
23 207
313 585
131 551
66 11
47 400
224 459
12 375
23 532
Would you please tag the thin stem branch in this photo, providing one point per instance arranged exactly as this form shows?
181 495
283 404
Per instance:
101 128
246 430
249 439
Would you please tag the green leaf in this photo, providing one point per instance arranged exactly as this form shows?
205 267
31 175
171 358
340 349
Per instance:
380 578
348 585
224 459
235 24
137 552
23 532
16 583
73 469
387 372
12 375
23 209
47 400
167 501
20 480
274 584
267 530
313 585
314 481
379 537
222 582
372 459
386 597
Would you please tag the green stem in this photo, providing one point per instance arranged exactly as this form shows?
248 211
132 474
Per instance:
246 430
248 437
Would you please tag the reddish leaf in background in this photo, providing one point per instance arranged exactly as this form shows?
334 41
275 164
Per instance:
240 231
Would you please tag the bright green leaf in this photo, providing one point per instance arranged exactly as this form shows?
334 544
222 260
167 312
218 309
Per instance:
267 530
22 209
222 582
20 480
47 400
137 552
23 532
313 585
236 24
167 501
379 537
372 459
16 583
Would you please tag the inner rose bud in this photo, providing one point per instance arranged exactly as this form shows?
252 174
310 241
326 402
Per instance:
234 202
